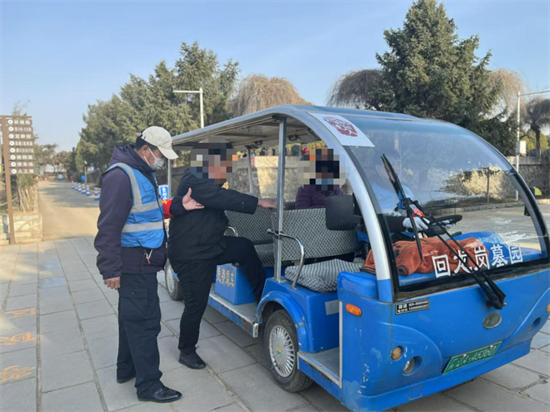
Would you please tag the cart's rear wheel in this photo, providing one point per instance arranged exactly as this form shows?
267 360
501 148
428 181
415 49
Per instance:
281 350
172 284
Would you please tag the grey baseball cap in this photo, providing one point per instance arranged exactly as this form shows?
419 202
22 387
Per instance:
160 137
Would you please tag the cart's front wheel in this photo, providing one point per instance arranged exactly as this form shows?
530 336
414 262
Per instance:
281 349
172 284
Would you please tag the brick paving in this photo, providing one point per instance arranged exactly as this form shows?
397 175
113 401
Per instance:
58 342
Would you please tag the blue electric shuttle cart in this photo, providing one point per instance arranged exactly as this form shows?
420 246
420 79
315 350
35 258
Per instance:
431 308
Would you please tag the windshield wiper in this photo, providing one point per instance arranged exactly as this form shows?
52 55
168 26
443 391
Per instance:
495 295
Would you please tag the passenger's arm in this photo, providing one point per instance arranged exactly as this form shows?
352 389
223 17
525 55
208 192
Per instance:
180 205
395 223
214 197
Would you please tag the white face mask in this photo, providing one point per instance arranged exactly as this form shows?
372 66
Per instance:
158 163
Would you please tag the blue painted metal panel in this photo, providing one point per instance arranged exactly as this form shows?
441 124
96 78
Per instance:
316 330
232 284
228 313
451 326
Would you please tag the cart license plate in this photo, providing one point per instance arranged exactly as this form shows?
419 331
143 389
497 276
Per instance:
459 361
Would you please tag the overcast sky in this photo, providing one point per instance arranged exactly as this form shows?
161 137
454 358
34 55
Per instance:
60 57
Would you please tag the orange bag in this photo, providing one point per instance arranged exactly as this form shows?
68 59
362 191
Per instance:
407 258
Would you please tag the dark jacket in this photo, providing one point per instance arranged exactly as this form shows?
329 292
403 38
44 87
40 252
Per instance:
310 197
198 234
114 205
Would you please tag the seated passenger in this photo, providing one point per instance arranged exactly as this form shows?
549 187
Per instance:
196 244
321 173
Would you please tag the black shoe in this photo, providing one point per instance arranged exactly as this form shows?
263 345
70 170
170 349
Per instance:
124 380
163 395
191 360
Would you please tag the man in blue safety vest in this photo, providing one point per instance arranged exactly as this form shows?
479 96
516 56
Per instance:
131 245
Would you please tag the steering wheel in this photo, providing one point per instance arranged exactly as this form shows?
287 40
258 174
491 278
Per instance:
434 229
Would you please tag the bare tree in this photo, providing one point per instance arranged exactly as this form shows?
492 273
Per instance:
536 115
356 89
258 92
20 108
510 83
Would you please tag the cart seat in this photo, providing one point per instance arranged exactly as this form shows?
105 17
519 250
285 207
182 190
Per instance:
253 227
265 253
308 225
321 277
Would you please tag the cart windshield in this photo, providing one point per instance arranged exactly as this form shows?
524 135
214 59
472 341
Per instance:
457 178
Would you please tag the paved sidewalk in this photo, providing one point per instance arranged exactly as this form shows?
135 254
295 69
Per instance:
58 343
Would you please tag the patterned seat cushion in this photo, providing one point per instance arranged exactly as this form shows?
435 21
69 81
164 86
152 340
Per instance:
323 276
265 253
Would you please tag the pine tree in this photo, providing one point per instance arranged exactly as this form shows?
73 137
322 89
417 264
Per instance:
430 72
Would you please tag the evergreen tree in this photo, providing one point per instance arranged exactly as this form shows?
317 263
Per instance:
142 103
430 72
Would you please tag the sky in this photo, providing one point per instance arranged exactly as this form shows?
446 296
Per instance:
59 57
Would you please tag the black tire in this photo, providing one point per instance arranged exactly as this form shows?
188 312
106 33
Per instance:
289 378
172 285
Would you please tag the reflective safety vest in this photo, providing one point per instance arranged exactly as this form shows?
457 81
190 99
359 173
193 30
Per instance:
145 224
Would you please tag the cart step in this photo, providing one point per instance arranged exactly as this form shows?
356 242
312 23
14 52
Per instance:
326 362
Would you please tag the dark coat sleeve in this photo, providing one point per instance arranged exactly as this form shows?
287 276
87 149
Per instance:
214 197
176 207
395 223
303 199
114 206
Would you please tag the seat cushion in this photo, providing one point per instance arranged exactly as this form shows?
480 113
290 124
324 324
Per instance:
323 276
265 253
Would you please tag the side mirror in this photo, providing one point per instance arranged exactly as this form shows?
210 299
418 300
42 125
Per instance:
340 213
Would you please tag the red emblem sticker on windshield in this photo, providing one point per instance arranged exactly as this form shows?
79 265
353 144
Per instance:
346 128
347 133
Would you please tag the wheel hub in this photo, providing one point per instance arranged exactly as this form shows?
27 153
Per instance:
281 350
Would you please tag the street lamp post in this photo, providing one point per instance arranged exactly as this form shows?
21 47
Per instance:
200 92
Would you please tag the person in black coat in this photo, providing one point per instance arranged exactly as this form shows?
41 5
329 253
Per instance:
197 244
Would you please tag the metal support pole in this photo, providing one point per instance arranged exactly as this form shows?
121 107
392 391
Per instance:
202 107
280 199
517 138
249 166
7 174
169 178
488 185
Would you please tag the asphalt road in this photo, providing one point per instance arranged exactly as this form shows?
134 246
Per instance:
66 213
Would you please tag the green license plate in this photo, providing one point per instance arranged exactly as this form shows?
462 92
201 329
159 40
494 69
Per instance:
459 361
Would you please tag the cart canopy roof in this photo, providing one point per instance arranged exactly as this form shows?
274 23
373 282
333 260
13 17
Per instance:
261 129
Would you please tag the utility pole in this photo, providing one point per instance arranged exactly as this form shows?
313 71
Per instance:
200 92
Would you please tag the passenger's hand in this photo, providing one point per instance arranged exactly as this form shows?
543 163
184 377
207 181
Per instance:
189 203
267 203
113 283
421 223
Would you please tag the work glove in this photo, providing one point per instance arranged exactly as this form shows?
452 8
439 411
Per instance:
421 223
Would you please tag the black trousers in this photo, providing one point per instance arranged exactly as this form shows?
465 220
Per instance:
138 328
195 278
